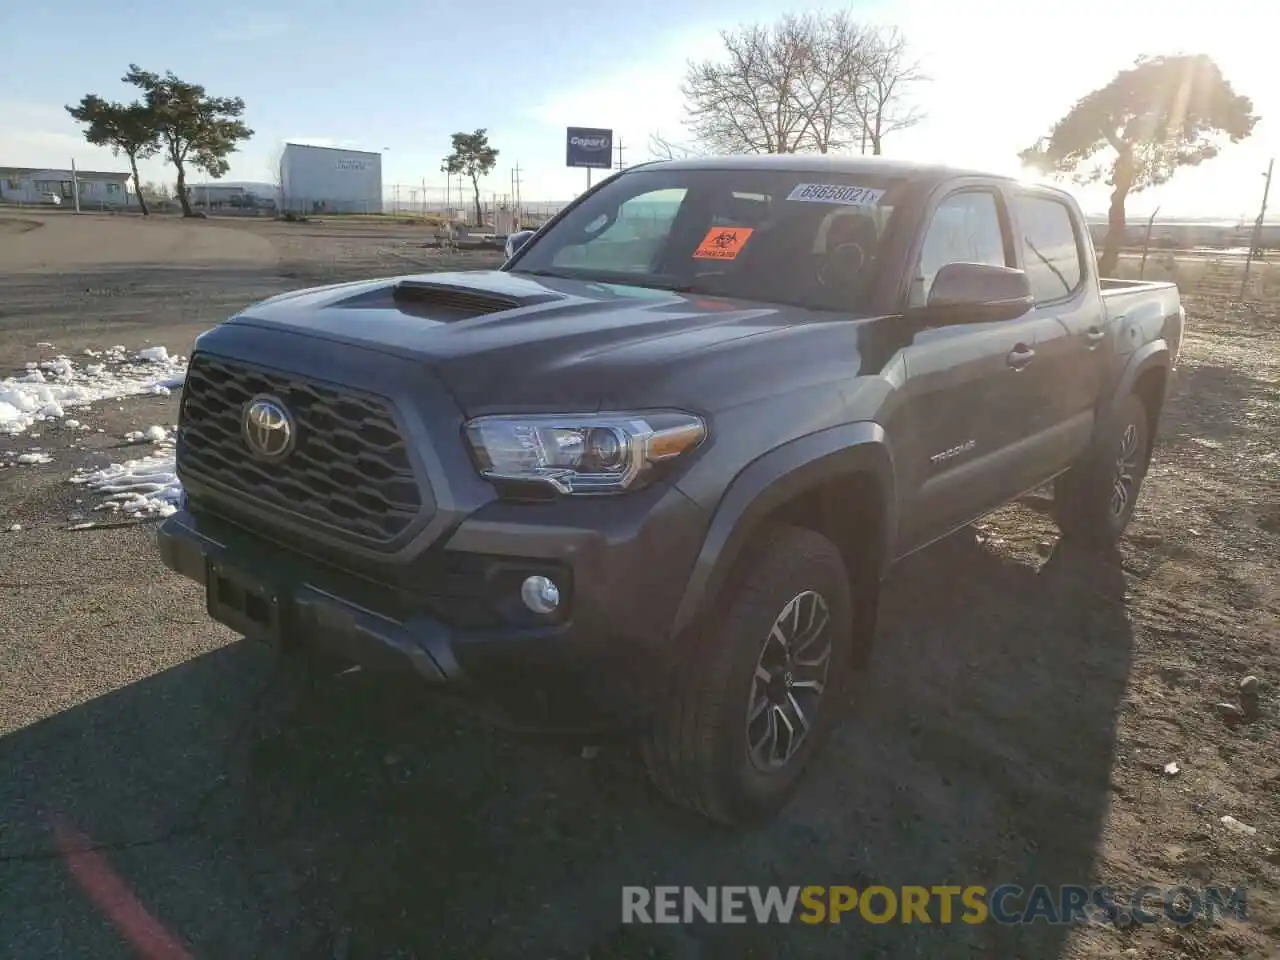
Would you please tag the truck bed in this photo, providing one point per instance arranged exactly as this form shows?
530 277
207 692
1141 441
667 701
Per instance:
1120 296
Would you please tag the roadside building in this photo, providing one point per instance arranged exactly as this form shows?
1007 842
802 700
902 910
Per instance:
228 197
330 180
97 188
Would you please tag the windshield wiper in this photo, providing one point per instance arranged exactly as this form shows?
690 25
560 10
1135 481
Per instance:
547 273
617 277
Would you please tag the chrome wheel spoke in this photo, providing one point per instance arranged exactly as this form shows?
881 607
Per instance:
789 680
797 712
1124 481
811 676
788 737
812 635
764 748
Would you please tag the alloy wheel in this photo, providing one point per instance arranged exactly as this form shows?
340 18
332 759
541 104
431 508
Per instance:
1124 480
789 681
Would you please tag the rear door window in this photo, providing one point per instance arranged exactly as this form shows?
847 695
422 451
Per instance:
1050 247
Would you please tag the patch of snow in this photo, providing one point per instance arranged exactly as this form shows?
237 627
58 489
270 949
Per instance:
145 487
72 424
154 354
34 458
52 386
15 528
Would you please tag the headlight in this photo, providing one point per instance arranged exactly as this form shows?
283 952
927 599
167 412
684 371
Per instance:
588 453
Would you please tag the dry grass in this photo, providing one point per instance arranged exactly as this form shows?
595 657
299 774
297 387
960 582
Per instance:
1205 278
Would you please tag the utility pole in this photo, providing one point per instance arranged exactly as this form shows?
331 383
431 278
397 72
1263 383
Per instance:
519 198
448 198
515 189
1255 241
620 149
75 183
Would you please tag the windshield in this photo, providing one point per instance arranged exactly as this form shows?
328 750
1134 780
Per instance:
804 239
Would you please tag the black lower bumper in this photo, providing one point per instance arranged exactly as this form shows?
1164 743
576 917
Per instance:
300 613
544 678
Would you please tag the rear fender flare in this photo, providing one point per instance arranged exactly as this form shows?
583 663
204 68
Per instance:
772 480
1153 354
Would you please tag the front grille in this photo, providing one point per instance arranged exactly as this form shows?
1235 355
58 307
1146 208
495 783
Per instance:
349 469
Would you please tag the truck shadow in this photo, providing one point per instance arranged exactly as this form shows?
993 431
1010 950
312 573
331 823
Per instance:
362 823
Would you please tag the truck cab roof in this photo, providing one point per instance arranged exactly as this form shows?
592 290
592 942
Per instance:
828 163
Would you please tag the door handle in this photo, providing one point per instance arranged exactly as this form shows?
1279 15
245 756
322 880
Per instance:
1020 356
1094 336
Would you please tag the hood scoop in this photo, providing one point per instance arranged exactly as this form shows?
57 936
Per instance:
458 302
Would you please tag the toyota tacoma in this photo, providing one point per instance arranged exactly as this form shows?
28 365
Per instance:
648 476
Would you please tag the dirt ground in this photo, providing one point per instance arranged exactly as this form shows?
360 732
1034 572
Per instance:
168 794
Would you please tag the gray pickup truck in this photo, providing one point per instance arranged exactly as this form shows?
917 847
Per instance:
648 476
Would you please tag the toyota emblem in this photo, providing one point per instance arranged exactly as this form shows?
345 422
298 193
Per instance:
267 428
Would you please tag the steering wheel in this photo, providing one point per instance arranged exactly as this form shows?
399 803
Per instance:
849 256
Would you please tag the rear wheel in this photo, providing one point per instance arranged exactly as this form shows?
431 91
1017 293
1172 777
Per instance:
1095 500
764 685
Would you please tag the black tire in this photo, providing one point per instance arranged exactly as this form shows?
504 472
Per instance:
699 751
1095 500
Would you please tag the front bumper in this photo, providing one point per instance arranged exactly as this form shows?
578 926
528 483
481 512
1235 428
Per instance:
598 667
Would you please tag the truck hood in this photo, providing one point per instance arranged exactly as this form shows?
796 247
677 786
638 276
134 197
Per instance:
514 341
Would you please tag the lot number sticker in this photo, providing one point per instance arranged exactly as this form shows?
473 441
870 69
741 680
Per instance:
723 243
836 193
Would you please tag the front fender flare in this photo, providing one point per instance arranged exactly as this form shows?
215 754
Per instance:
770 481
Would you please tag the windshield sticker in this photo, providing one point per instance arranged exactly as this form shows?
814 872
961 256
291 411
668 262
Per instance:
723 243
836 193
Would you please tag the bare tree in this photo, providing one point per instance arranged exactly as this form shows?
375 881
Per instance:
807 83
750 102
882 104
660 148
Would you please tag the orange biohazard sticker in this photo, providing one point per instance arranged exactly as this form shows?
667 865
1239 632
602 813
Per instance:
722 243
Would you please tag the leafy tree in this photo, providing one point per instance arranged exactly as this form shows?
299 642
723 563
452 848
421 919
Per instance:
1158 115
194 127
473 157
126 128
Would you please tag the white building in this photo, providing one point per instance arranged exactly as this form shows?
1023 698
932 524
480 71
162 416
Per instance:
239 195
330 180
97 188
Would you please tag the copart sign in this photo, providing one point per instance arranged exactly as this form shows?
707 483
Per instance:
589 147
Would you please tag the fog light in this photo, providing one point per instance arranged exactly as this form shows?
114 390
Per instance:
540 595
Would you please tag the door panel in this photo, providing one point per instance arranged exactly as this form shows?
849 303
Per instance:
1074 335
962 421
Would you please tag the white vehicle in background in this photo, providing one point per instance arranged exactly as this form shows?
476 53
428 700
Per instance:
50 199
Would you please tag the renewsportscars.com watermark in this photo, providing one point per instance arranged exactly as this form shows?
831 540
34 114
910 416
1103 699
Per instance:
1005 904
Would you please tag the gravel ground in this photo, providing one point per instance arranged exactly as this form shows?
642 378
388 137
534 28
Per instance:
1024 701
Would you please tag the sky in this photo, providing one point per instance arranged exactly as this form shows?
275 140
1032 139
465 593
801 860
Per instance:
399 76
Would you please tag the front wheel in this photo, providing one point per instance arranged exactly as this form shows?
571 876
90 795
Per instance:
1096 498
764 685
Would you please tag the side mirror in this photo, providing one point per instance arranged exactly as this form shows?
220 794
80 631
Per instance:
516 241
977 293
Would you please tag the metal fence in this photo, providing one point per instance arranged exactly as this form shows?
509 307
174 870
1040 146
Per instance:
450 203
